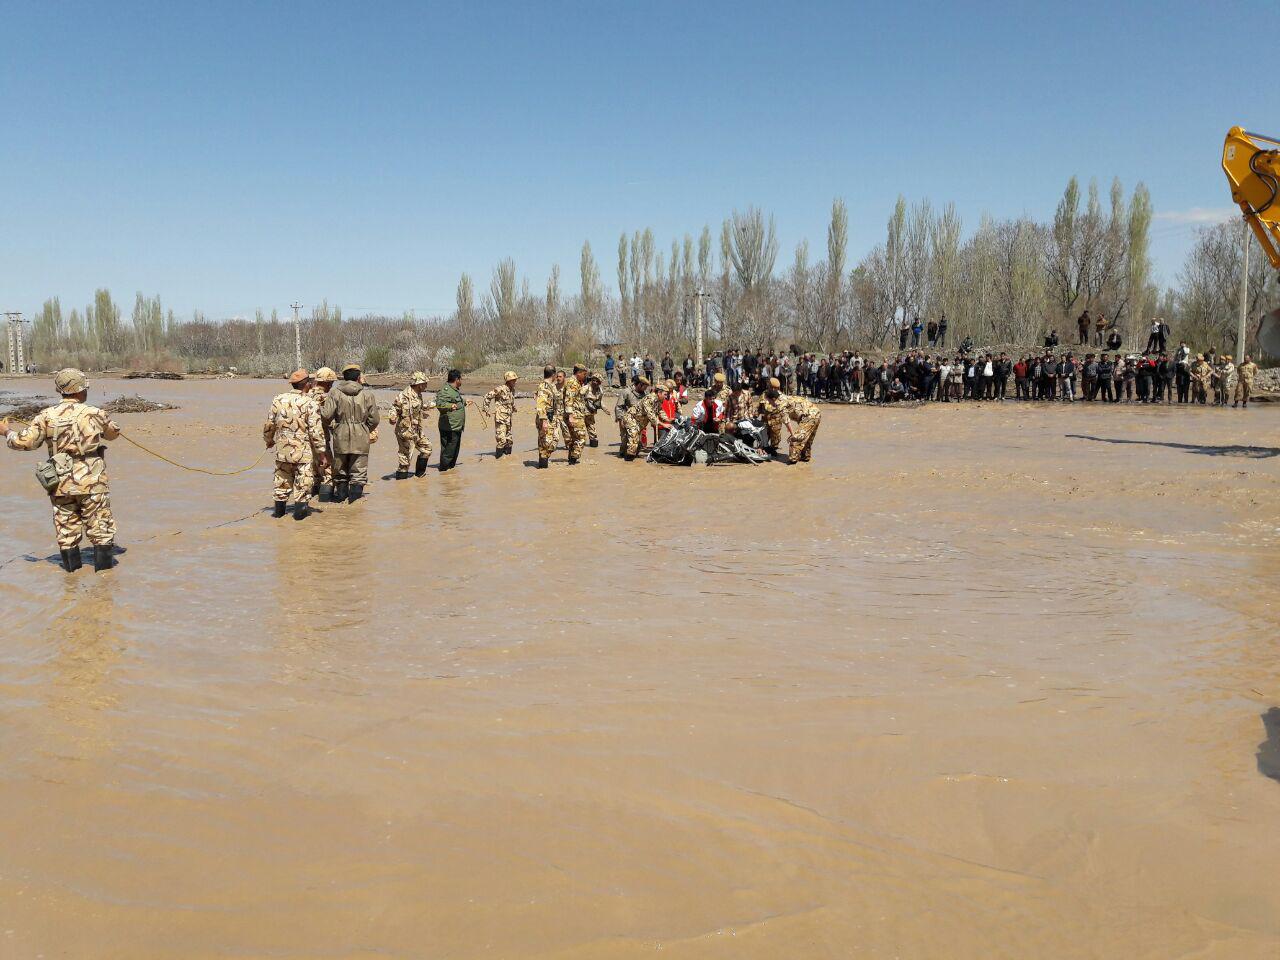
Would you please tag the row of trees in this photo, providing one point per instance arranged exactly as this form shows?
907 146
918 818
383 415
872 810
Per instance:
1006 281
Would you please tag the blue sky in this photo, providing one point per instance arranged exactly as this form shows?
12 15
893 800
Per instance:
230 156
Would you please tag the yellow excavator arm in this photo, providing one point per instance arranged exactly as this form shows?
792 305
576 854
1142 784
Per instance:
1254 174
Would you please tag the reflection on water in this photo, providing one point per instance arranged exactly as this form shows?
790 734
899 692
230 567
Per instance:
954 690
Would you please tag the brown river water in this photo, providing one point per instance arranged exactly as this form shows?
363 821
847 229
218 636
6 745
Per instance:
980 681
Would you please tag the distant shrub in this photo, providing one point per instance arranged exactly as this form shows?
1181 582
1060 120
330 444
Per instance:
377 359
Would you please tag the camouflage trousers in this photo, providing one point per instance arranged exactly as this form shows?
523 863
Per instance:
774 427
501 432
575 436
351 468
1244 389
292 479
323 472
89 515
801 447
547 438
405 447
590 422
628 434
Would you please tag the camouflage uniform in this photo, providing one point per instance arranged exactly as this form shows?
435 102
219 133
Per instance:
1224 376
549 406
624 412
408 413
738 408
322 469
1244 382
293 428
82 499
501 402
1201 380
593 398
647 413
773 413
575 417
807 416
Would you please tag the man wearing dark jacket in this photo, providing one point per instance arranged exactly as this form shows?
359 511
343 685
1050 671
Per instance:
351 414
453 419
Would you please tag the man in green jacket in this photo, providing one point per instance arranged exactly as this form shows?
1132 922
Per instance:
350 411
453 419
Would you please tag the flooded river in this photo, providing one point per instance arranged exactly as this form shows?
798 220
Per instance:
979 682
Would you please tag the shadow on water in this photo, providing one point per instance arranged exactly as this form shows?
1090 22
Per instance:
1229 450
1269 749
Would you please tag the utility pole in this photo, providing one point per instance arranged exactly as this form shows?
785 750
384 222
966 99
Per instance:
1244 291
16 355
698 297
297 334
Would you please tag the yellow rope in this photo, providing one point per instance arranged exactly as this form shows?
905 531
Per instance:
183 466
161 456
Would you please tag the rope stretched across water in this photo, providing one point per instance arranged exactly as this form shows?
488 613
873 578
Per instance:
181 466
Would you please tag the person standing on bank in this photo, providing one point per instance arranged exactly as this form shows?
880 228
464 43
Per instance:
351 412
75 476
453 420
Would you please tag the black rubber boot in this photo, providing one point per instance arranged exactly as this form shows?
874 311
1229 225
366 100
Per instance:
573 461
102 556
593 442
542 463
507 450
278 508
420 467
355 492
402 474
70 560
499 453
340 493
628 457
301 511
326 492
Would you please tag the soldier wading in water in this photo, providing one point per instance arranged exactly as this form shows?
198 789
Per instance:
75 475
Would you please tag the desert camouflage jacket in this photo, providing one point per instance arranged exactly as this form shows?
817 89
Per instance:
502 400
408 412
293 425
549 401
78 430
575 405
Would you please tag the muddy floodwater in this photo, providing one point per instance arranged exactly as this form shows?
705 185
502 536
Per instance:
980 681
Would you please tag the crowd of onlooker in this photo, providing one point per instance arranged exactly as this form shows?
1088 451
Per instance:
1154 376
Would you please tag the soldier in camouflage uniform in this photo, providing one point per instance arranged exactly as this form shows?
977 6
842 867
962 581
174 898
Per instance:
323 469
1223 380
1244 381
75 433
593 398
649 414
575 414
807 416
624 412
408 413
501 402
739 407
773 413
293 428
549 410
1201 379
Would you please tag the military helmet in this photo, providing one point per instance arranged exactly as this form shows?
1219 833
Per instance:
509 376
326 375
69 381
418 377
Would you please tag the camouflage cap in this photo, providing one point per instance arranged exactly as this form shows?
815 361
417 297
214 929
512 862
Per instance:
775 383
579 368
326 375
718 378
594 375
509 376
299 376
352 366
418 377
642 381
69 381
